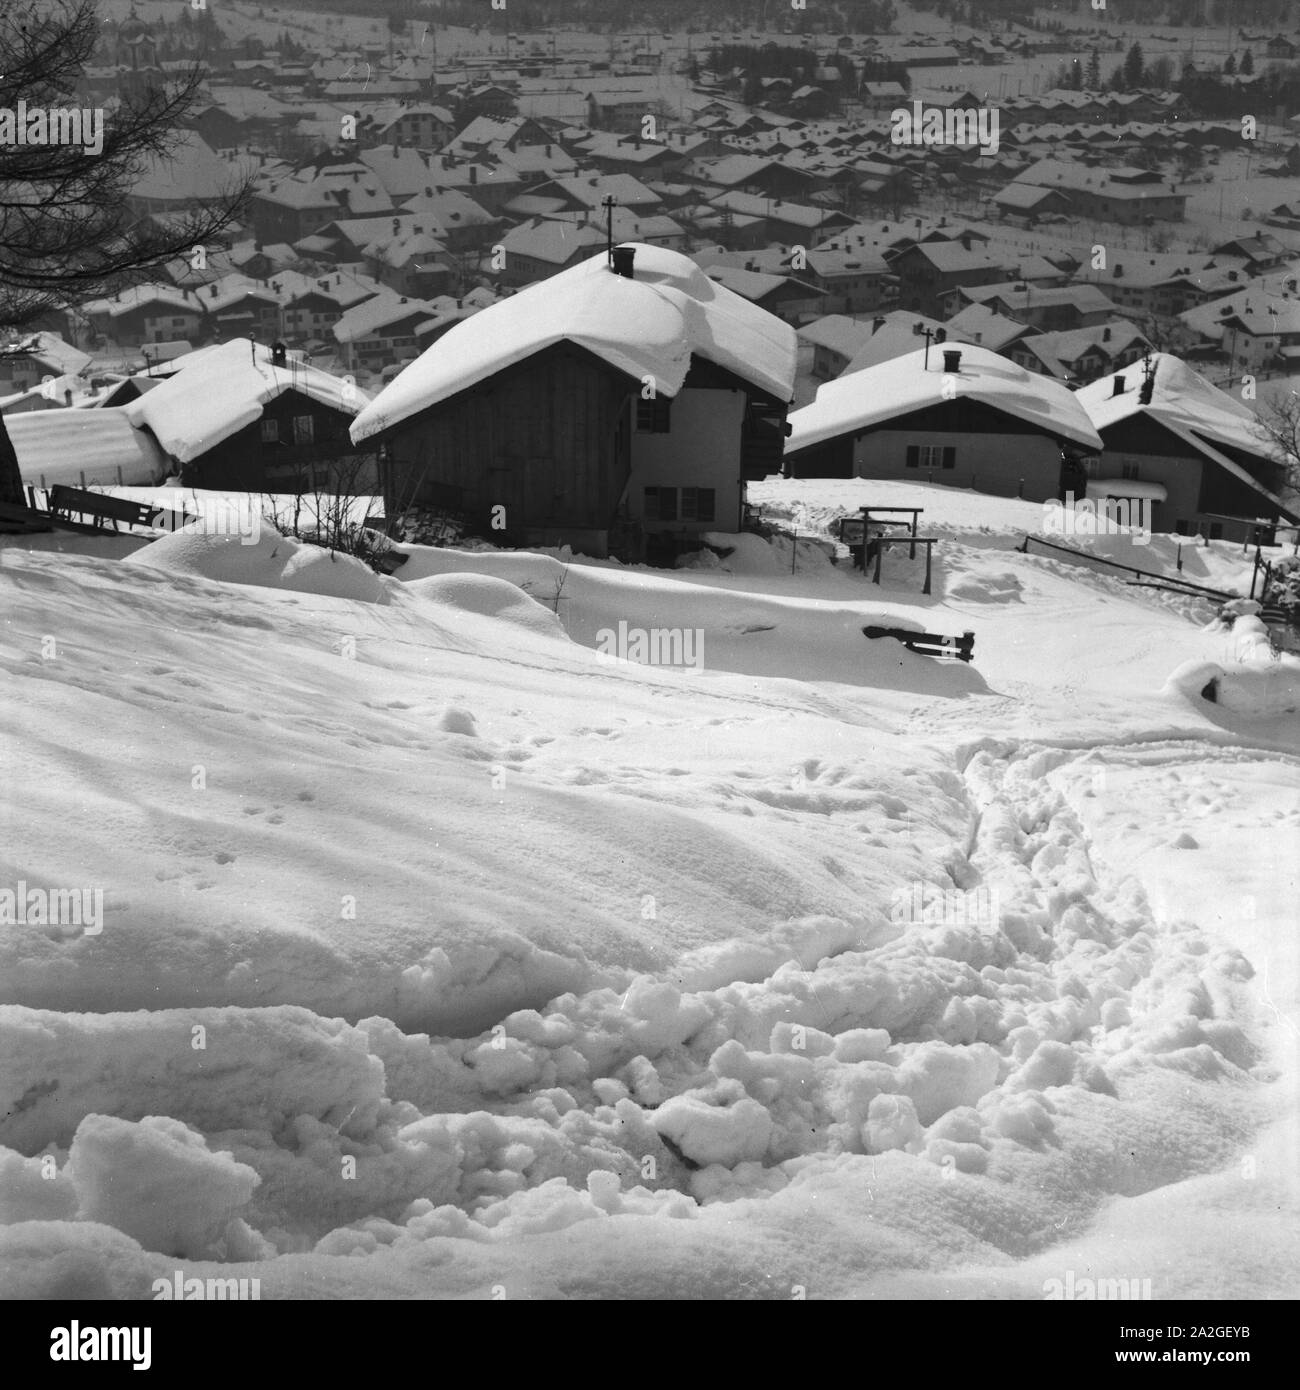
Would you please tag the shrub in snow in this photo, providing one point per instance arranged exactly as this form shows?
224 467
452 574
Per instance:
157 1181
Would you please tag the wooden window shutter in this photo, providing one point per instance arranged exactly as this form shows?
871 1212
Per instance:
949 456
914 456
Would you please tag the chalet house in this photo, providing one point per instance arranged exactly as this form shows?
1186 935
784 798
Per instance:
538 249
1164 283
797 223
1046 307
1253 328
310 306
834 339
145 314
381 331
1194 448
852 279
248 417
300 205
617 408
415 126
927 272
1132 197
1080 355
30 360
793 300
967 417
238 306
1281 47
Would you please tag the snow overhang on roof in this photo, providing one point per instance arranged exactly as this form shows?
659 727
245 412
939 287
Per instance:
646 326
871 396
218 391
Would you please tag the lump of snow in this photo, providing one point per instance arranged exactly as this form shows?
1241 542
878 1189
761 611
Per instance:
1052 1064
1184 841
939 1077
715 1134
862 1045
490 597
157 1181
34 1189
892 1123
270 561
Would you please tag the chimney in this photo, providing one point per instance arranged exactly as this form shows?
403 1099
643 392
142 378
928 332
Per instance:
623 256
952 360
279 355
1118 389
1105 335
473 173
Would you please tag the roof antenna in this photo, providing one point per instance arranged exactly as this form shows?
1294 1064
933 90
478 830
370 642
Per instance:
608 204
1148 379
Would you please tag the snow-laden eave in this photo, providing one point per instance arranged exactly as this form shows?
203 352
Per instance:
1202 446
379 429
646 326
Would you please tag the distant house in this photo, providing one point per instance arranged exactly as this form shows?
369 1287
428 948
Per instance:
1185 438
237 306
1047 307
928 271
834 339
786 296
380 330
29 360
615 409
1123 195
970 419
1281 47
241 415
145 314
1081 355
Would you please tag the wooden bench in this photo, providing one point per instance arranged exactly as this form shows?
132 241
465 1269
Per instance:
927 643
99 506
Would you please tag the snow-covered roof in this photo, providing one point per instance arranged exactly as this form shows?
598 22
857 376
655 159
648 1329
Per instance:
61 445
217 391
864 399
649 325
1190 406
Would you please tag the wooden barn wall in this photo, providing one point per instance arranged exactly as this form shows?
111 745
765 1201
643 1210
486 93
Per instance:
541 440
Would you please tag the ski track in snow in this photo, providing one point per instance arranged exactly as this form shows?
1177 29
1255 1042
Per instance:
764 1082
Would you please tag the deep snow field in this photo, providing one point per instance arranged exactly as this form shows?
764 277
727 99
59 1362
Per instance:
443 955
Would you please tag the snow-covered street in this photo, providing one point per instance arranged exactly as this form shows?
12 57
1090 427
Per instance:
442 952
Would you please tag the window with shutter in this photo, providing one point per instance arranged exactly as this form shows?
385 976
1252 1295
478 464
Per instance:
652 416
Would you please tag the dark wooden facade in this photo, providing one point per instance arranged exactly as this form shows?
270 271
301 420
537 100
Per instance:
541 453
252 460
548 439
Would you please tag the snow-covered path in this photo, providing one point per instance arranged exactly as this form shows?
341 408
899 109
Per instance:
826 966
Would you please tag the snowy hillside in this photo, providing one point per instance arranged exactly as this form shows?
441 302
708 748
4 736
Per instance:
442 951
